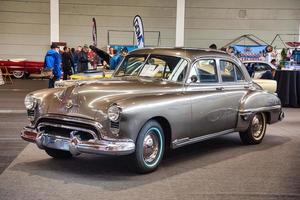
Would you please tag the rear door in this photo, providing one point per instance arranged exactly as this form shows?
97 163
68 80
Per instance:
234 87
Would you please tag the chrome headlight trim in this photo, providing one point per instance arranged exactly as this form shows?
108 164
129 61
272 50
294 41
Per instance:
30 102
114 113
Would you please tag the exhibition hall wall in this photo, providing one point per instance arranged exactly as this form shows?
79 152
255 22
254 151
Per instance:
25 25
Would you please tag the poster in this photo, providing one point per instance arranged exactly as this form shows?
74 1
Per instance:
250 52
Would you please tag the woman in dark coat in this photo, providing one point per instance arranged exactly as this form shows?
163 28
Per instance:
67 63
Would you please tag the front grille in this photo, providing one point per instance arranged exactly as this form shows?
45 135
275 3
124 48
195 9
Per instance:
30 113
115 125
64 128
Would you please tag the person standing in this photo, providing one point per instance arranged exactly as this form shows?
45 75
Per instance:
67 63
73 54
213 46
117 58
52 64
76 58
83 59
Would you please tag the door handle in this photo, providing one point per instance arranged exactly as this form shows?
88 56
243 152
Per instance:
220 88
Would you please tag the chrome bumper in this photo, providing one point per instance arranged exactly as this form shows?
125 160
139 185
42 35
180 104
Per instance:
75 146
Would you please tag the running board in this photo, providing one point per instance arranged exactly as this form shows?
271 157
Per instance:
185 141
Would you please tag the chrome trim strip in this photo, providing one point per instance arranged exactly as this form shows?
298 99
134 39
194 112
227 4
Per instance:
260 109
67 127
178 143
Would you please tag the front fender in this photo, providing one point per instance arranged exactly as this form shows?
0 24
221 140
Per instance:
136 111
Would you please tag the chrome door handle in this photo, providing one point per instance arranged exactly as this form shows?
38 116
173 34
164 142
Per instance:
220 88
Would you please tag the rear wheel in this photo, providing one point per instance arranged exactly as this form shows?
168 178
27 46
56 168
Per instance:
60 154
18 74
256 130
149 147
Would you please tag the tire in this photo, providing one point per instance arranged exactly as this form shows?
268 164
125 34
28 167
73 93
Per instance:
27 75
150 146
59 154
256 130
18 74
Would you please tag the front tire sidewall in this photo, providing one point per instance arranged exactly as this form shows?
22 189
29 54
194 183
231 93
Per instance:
141 165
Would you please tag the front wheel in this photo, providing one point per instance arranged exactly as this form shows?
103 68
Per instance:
150 147
18 74
256 130
60 154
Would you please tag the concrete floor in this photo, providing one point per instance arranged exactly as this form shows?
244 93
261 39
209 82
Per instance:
221 168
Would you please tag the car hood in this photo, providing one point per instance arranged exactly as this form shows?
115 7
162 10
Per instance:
87 98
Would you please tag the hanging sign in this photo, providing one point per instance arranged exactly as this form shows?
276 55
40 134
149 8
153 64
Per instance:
139 31
94 32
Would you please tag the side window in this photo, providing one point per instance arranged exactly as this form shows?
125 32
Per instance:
261 67
206 71
239 74
179 71
227 71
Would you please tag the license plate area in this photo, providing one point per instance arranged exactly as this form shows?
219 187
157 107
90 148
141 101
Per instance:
55 142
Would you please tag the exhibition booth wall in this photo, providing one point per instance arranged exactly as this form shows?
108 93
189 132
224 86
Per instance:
25 25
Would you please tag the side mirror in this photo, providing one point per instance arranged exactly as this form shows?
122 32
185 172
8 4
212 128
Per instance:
194 79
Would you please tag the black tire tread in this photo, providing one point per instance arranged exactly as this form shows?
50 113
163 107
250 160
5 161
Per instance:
59 154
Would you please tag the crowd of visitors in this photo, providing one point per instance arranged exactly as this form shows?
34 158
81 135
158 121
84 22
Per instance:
70 61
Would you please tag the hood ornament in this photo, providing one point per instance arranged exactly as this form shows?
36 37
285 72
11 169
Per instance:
69 104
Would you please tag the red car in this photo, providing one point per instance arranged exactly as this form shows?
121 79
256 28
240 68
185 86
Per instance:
24 68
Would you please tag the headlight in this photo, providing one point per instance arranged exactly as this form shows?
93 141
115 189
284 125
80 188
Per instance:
113 113
30 102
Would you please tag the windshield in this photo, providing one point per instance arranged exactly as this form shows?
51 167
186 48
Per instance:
154 66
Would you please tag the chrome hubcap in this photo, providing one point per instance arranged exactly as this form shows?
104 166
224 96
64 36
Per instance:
257 126
151 147
18 74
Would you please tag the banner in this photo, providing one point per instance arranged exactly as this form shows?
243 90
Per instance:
250 52
139 31
94 32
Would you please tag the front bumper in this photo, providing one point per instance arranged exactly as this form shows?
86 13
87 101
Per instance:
76 146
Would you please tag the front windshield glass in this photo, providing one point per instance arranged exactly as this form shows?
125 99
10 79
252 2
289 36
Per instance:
155 66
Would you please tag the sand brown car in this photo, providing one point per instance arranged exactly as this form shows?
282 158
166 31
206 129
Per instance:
158 98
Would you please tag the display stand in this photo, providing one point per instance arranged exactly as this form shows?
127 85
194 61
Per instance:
6 75
1 78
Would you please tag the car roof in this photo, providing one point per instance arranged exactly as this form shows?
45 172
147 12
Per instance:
190 53
259 61
255 61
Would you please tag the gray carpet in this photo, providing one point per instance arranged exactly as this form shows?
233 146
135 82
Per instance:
217 169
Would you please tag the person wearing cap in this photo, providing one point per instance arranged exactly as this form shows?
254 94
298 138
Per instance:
117 58
52 65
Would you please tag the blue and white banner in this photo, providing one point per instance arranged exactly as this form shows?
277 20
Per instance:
139 31
250 52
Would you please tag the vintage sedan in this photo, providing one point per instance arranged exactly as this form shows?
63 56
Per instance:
158 99
22 68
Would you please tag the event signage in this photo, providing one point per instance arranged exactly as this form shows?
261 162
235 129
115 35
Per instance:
139 31
250 52
94 32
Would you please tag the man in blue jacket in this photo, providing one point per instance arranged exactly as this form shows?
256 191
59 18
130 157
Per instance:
117 58
52 63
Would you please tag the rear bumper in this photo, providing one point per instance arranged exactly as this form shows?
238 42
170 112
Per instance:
75 146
